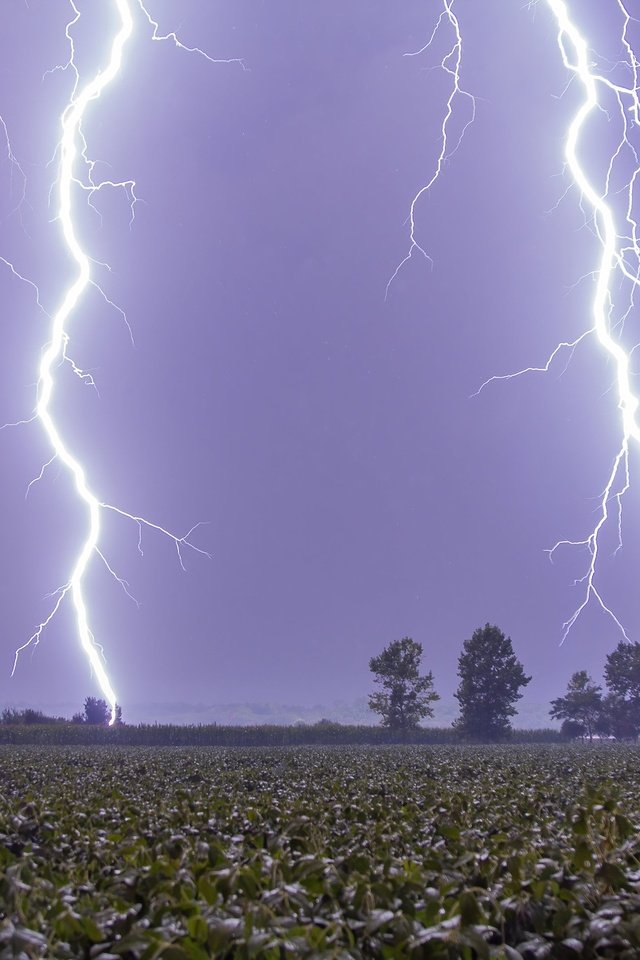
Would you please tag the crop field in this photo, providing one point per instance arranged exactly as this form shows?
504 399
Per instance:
513 851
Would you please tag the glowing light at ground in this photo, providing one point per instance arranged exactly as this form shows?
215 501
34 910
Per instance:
75 175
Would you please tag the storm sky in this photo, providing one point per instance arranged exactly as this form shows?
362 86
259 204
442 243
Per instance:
353 489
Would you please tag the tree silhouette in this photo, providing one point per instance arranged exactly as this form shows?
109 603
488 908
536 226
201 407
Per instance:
407 697
581 704
98 712
490 680
621 711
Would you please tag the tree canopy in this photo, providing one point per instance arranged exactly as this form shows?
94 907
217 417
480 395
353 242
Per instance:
97 711
407 696
581 704
491 677
621 713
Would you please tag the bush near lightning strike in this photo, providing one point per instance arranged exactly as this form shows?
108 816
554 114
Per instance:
513 851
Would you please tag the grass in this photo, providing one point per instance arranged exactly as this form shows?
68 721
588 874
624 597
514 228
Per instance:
445 852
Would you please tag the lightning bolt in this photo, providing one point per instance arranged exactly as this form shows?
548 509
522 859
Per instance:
451 64
619 245
71 152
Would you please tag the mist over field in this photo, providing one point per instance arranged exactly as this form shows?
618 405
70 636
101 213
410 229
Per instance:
530 715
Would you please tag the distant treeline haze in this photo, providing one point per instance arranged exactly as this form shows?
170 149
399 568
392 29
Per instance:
491 679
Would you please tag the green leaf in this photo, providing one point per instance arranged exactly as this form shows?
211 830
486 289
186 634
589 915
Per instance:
471 912
613 875
198 928
582 854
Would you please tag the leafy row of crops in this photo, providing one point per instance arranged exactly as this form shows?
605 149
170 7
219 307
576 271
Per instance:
444 852
214 735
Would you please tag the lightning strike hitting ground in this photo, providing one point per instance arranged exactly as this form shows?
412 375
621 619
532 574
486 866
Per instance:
451 64
72 151
619 245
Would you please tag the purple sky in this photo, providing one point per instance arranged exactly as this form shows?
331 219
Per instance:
354 491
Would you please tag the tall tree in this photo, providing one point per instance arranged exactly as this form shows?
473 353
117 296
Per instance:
622 676
582 703
406 697
618 717
622 671
491 677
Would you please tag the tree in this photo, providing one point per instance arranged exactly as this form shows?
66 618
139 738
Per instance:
618 717
622 676
28 717
98 712
581 704
572 729
490 680
622 671
407 696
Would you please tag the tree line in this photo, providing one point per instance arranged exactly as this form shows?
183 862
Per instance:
491 680
96 712
587 711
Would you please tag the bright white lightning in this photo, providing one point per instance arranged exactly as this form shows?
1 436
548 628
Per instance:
616 246
451 64
71 148
71 126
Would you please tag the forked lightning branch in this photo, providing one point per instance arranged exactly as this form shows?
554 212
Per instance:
619 243
618 268
75 179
